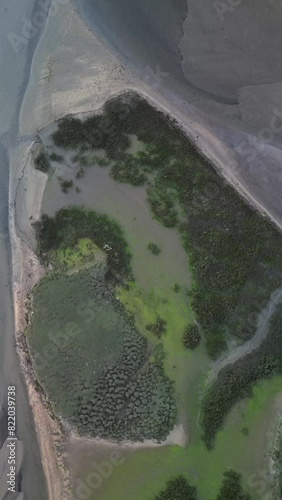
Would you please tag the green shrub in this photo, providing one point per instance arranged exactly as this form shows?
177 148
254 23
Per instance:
65 184
155 249
191 337
158 328
42 163
79 173
231 488
236 381
56 157
127 171
178 489
245 431
163 206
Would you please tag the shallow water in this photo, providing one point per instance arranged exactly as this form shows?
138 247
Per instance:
128 205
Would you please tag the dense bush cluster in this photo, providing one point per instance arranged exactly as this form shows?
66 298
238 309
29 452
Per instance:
178 489
73 223
163 206
127 170
94 364
41 162
154 248
65 184
231 488
158 328
96 132
191 337
129 401
236 381
55 157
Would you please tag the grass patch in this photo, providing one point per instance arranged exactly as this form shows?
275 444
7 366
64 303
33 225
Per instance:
73 257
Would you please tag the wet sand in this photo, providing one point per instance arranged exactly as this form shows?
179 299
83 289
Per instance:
212 84
15 69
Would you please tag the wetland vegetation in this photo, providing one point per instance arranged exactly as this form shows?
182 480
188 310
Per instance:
237 380
112 389
235 263
74 223
231 247
192 337
178 489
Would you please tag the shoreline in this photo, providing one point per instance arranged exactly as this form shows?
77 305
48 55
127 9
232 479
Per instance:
26 272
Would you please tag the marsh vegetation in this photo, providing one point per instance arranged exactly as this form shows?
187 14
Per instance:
112 389
236 381
235 264
231 247
74 223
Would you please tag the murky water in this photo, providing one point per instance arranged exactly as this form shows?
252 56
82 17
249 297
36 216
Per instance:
128 205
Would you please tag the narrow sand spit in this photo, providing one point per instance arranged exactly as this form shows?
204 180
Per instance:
27 271
176 436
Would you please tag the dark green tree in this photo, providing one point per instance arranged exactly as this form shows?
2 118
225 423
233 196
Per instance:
178 489
191 337
231 488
